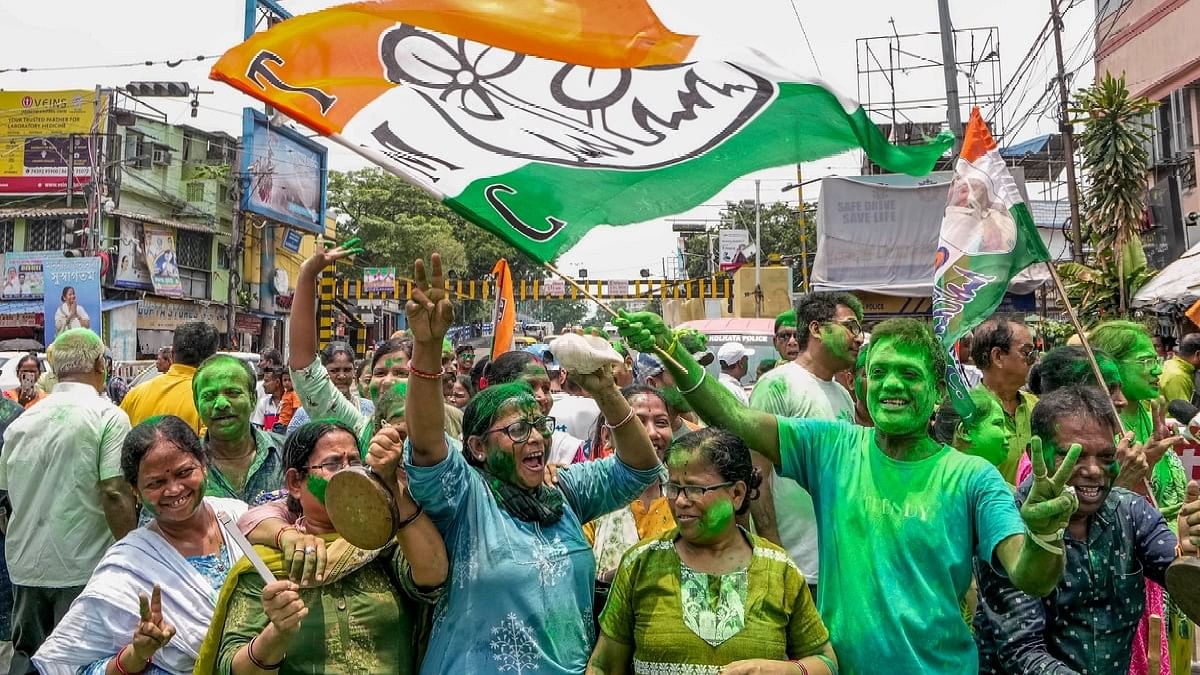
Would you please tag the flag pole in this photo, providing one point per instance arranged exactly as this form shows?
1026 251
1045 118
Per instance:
662 354
1091 355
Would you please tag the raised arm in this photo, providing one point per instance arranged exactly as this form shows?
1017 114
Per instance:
302 335
429 317
715 404
630 439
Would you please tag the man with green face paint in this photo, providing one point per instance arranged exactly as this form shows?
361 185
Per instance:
830 337
1115 542
903 516
247 462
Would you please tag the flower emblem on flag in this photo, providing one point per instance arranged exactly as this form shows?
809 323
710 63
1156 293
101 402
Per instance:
520 106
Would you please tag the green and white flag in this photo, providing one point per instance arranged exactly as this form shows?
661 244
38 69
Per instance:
539 121
987 238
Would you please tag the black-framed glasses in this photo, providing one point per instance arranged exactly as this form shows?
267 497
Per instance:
692 492
335 465
785 335
519 431
851 325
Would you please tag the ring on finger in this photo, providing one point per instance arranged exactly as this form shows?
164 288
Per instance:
309 550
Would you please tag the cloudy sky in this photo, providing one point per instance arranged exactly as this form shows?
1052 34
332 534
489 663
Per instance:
72 37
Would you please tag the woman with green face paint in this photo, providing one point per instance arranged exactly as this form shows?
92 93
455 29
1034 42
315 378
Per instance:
1130 345
364 612
521 571
151 596
987 436
708 596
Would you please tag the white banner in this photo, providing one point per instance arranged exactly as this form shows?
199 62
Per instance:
735 249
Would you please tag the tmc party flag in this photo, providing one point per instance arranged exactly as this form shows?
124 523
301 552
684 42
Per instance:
504 316
541 120
987 238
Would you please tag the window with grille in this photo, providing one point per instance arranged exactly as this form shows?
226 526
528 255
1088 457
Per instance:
6 235
195 192
194 252
44 234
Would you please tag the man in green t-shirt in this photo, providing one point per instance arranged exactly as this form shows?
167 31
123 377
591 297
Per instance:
901 517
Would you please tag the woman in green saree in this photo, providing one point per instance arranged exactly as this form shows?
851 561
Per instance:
708 597
364 613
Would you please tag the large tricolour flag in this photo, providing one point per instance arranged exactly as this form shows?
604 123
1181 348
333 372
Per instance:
540 120
987 238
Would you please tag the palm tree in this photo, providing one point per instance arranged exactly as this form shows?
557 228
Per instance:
1115 158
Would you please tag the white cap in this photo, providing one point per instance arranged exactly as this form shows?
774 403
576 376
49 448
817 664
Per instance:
732 352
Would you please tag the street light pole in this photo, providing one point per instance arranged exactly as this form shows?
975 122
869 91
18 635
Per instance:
758 249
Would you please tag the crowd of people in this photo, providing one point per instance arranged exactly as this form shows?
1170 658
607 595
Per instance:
647 517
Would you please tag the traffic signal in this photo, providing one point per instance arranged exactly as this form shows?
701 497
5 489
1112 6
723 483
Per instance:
158 89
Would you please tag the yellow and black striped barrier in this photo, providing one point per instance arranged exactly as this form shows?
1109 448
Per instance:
708 288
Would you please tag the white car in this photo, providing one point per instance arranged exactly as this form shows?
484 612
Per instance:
8 368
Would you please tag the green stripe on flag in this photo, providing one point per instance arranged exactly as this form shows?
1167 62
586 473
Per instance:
806 122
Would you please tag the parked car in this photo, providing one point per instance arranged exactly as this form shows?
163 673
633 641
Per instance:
8 368
756 334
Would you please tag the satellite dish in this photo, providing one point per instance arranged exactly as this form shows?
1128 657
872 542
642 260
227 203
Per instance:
279 281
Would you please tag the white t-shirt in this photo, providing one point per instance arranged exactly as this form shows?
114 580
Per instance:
563 448
574 415
735 387
266 406
791 391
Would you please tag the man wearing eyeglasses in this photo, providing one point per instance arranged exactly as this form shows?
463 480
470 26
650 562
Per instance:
1003 349
830 336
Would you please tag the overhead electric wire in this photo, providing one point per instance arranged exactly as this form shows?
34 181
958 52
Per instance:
804 32
170 63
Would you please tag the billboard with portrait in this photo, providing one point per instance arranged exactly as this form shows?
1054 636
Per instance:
285 174
72 295
163 262
23 274
36 146
130 270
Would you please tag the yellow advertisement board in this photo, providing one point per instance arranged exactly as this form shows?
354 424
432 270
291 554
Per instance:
35 138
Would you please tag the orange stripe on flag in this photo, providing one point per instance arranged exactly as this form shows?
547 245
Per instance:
977 140
336 51
1193 313
504 317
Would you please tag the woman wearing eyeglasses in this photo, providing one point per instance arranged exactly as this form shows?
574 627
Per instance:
709 597
362 615
519 597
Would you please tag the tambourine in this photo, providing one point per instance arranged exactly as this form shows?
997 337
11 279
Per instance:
361 508
1183 584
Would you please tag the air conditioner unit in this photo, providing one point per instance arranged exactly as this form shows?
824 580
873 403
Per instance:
161 156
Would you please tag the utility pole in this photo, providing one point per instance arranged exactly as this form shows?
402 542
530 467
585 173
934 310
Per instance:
804 227
1068 134
235 254
950 70
758 249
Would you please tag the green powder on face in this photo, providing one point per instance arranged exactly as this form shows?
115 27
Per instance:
837 341
317 486
718 517
502 465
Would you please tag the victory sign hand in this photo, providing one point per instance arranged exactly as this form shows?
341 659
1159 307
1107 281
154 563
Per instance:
429 310
152 632
643 330
1050 504
1161 440
1131 458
